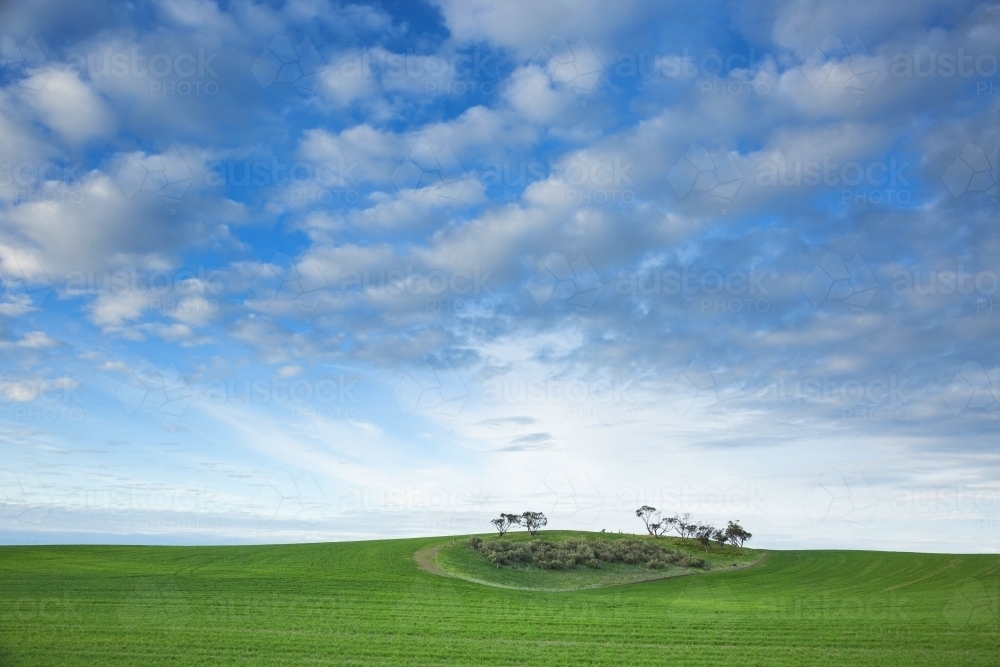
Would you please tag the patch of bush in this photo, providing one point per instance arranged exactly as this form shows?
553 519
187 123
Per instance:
576 552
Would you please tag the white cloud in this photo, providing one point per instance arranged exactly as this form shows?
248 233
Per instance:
36 340
70 107
195 311
802 25
347 79
203 14
361 152
19 392
25 390
15 305
174 333
289 371
529 91
525 25
119 366
111 309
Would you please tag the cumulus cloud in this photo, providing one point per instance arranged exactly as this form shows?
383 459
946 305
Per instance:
111 309
36 340
119 366
71 107
525 26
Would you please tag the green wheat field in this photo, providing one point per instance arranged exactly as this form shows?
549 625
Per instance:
375 603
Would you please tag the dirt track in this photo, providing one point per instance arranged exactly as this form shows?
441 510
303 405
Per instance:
425 560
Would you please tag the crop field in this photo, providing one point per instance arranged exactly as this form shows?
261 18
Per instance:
372 603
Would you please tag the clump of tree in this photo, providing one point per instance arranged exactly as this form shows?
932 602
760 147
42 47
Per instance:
703 533
505 522
532 521
656 525
735 533
684 525
568 554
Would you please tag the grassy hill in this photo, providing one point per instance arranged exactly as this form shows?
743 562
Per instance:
458 559
369 602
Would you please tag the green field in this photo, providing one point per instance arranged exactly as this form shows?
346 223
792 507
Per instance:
370 603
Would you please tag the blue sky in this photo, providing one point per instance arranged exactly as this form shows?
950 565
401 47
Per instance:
310 271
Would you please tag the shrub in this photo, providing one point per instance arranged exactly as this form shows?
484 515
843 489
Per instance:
575 552
689 561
